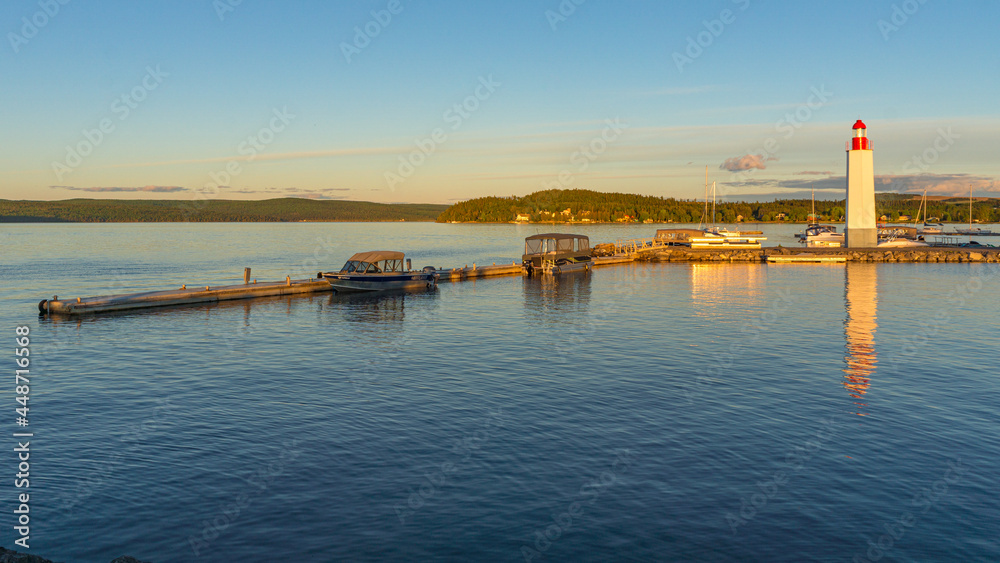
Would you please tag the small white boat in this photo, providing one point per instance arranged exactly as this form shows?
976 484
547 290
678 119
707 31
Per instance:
556 253
822 235
379 270
974 231
727 240
901 243
928 228
712 237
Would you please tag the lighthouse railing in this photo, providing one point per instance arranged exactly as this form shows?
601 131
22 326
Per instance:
849 144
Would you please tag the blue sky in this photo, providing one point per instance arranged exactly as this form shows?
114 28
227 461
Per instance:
200 98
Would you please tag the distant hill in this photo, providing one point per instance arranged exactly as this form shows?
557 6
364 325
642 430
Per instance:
215 210
585 206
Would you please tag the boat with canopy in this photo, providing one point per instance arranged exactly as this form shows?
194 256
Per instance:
556 253
379 270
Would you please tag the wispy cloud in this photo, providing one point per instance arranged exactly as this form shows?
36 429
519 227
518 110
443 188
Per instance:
814 173
273 192
745 162
952 185
938 184
158 189
364 151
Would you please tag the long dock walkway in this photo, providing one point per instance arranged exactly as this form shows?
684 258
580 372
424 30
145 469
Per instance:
182 296
629 252
513 269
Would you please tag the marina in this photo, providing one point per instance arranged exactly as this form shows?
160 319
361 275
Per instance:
551 254
418 371
463 281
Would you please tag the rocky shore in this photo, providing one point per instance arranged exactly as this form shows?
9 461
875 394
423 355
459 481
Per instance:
920 254
8 556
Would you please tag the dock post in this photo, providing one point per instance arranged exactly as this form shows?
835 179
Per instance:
246 276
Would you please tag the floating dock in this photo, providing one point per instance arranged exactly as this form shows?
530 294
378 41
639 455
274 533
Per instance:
806 259
182 296
513 269
475 272
774 255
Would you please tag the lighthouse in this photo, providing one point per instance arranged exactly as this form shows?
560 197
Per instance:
860 231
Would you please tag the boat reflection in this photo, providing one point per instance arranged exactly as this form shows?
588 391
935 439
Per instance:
371 312
861 303
563 299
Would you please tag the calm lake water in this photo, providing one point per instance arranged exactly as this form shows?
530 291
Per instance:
648 412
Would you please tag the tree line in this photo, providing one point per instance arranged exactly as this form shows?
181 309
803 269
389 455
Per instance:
141 211
601 207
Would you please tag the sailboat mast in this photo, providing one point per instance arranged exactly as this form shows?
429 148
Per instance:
814 205
713 203
970 208
923 206
705 213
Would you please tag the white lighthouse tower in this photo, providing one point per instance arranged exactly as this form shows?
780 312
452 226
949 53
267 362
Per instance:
861 230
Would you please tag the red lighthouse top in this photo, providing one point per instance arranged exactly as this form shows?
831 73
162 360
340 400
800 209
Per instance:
860 141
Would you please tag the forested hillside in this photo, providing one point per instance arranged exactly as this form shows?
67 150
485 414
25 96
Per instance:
285 209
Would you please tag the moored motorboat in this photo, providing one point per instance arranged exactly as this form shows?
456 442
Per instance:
901 243
556 253
821 235
712 237
379 270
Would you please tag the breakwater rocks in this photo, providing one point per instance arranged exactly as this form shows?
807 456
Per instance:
8 556
687 255
918 254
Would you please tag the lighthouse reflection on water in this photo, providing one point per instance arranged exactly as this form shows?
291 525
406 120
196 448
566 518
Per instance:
861 302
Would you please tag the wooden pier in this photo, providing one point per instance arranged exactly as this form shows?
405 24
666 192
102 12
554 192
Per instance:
182 296
630 251
476 272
